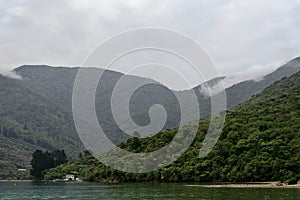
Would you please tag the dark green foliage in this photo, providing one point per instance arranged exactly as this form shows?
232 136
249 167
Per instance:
80 155
45 160
35 112
31 119
260 142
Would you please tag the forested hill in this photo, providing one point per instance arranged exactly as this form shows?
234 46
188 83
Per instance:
35 111
29 120
260 142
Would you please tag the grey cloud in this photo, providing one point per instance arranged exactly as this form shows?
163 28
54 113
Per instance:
237 34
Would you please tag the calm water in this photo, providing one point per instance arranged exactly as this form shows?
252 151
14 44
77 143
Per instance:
30 191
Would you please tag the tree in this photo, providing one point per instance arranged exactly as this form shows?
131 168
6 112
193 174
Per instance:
38 164
59 157
80 155
43 161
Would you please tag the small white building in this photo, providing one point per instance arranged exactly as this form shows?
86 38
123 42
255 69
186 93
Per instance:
70 177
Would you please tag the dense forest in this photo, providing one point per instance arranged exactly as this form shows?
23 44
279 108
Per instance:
36 111
42 161
260 142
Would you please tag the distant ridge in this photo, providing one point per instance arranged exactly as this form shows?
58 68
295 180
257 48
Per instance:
37 109
259 143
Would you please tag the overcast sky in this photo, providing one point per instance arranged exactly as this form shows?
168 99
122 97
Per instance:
241 36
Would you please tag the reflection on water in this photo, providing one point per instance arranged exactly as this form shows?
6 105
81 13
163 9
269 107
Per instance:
167 191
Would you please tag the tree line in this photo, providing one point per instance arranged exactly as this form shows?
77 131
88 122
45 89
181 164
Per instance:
42 161
260 142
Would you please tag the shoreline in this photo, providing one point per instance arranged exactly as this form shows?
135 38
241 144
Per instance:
208 184
247 185
10 180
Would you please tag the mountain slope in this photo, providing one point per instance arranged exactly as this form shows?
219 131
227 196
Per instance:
260 142
40 106
29 121
242 91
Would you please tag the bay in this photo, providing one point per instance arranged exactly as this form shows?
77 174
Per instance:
160 191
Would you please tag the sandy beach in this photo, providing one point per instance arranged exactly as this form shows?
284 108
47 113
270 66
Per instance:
249 185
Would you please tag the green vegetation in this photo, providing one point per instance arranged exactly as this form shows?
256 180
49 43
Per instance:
260 142
29 120
42 161
17 145
35 112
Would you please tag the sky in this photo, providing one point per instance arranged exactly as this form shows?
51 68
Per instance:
247 39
